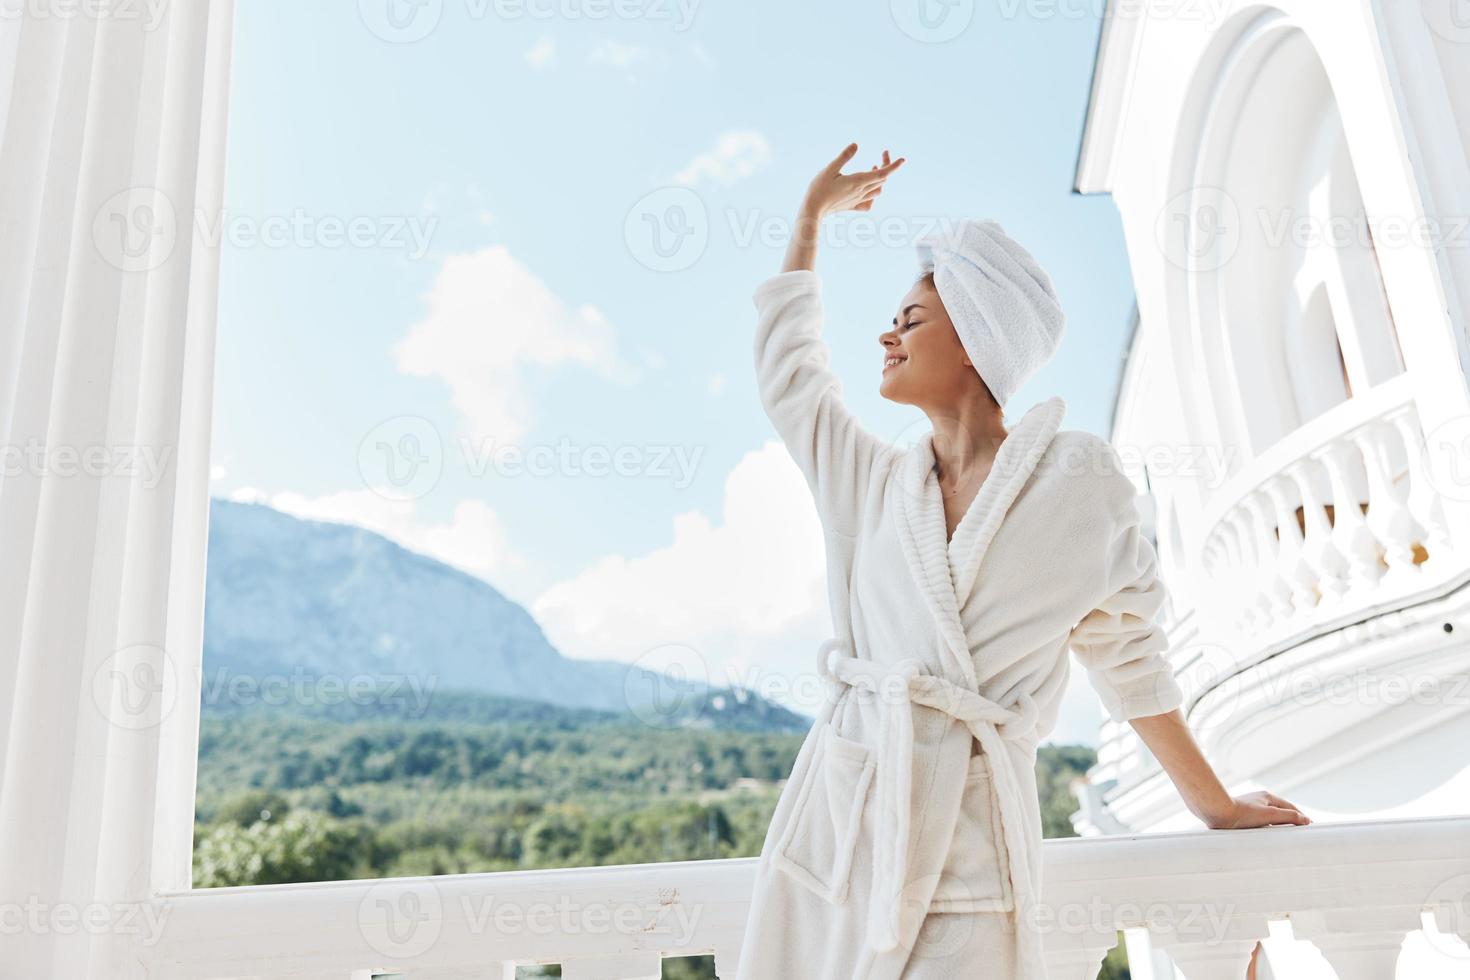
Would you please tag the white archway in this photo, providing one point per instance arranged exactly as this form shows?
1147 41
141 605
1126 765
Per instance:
1272 279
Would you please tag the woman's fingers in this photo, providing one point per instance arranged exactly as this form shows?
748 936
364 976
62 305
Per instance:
887 167
855 191
1281 814
842 158
1278 802
873 178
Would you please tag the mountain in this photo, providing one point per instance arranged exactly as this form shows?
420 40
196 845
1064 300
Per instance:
291 602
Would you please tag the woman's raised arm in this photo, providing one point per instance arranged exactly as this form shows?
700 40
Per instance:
801 395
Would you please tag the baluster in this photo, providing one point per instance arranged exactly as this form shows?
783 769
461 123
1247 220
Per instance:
1275 596
1212 557
727 961
1077 954
1388 518
1447 927
1220 951
629 966
1075 964
1424 502
1330 566
1291 562
1359 944
1213 960
1243 591
1350 533
1217 566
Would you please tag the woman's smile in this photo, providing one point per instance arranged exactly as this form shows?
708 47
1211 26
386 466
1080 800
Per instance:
892 360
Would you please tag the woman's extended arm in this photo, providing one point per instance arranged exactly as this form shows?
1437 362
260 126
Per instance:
798 389
1169 739
1125 648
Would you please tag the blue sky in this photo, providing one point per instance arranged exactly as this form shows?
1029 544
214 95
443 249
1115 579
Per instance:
501 168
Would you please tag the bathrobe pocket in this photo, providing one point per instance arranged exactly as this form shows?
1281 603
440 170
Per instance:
817 845
976 875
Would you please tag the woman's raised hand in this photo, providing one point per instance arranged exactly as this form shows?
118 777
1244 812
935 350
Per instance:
832 190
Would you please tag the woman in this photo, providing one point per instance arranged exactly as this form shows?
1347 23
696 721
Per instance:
906 843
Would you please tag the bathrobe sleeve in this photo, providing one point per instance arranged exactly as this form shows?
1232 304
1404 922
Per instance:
803 399
1120 641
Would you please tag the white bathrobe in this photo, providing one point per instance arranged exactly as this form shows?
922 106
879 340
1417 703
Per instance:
915 790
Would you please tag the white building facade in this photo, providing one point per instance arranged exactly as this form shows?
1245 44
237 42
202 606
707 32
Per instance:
1294 190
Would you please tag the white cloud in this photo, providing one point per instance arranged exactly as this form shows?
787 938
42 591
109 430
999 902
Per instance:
490 325
747 593
735 155
542 54
473 540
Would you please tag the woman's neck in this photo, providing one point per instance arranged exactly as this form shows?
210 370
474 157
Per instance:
966 441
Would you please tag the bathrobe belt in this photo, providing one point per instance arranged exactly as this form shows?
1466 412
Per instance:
898 688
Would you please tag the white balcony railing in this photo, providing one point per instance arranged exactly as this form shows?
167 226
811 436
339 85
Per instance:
1344 515
1354 890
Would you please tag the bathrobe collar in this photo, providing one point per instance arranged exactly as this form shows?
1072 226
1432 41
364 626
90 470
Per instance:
922 528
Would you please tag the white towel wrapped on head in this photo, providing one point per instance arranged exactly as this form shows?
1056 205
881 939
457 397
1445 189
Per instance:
1000 299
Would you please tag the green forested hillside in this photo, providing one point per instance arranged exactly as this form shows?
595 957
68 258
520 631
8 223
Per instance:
482 784
485 784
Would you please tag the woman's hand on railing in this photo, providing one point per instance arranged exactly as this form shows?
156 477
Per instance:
830 191
1169 739
1258 809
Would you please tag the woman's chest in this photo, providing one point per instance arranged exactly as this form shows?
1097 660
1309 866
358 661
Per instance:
1002 571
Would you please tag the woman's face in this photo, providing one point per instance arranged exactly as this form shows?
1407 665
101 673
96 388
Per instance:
924 363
